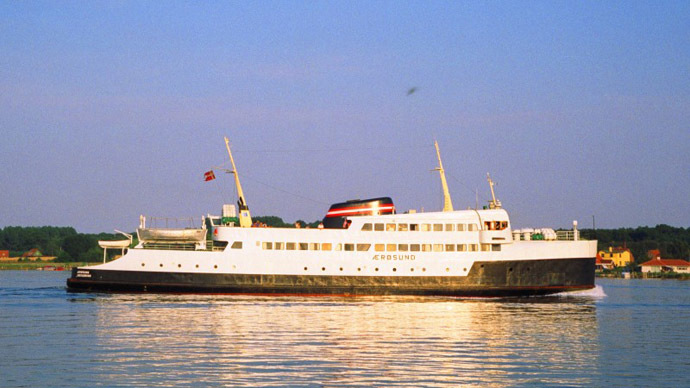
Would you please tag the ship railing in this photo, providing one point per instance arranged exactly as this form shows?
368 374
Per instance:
568 235
211 246
546 234
170 246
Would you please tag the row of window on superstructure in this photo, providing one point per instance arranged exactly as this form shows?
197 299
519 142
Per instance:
403 227
303 246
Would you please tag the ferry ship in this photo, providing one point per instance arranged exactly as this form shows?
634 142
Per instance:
363 247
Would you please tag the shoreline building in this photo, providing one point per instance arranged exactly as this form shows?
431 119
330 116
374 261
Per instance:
603 264
619 256
658 264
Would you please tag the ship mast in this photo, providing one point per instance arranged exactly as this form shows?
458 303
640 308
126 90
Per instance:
447 203
494 203
245 217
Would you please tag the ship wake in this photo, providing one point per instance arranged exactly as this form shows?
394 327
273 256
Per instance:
597 293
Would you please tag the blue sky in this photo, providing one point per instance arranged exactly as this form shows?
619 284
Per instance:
109 110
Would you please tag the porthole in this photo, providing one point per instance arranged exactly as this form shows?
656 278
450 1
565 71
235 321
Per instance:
197 265
143 265
423 269
377 270
161 265
510 269
447 269
341 268
411 269
323 268
305 268
179 266
464 269
359 269
215 267
481 266
394 269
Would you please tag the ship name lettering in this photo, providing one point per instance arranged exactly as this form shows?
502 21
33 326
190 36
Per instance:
393 257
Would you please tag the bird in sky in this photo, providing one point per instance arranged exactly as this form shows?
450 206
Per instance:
412 90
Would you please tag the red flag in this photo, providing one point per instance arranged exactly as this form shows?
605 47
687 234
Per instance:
209 176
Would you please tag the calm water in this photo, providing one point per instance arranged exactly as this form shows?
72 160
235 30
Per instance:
624 333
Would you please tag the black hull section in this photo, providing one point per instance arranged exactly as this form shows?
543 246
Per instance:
485 279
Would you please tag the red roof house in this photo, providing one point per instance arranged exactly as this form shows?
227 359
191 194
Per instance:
33 253
666 265
653 254
602 264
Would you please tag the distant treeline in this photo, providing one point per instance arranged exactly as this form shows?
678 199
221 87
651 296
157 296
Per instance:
672 242
63 242
278 222
68 245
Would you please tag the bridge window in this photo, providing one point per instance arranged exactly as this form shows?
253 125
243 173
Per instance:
390 227
414 247
363 247
438 227
402 247
472 247
472 227
366 227
495 225
326 246
414 227
450 247
379 247
378 227
349 247
495 247
426 247
402 227
290 246
278 245
267 245
486 247
426 227
314 246
450 227
462 248
438 247
236 245
461 227
390 247
303 246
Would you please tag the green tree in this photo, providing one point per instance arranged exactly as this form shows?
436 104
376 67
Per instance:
93 254
78 245
273 221
63 257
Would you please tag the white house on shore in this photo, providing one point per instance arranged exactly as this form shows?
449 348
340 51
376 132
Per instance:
665 265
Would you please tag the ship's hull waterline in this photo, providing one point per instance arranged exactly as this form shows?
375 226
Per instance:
485 279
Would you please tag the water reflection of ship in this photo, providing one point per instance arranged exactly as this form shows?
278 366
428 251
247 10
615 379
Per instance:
387 340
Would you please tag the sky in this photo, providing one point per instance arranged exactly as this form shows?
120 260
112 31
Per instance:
580 110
